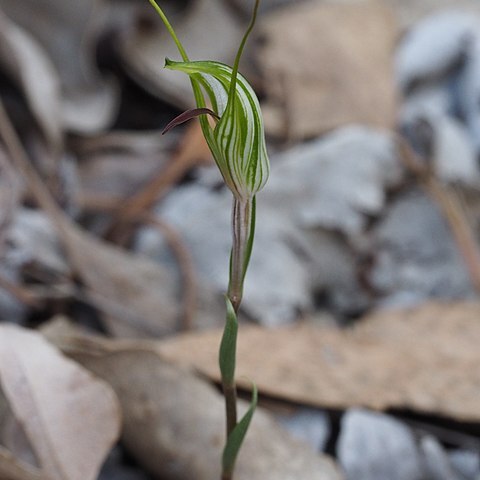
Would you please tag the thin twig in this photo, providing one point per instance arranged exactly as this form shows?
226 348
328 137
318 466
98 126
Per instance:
20 293
21 162
175 243
193 147
450 206
186 267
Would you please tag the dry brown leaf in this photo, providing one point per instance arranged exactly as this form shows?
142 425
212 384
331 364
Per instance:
137 294
71 418
119 163
173 421
12 469
192 151
423 359
128 287
14 439
325 65
28 65
89 102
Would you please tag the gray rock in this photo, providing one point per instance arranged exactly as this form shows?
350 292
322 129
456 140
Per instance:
202 217
31 242
466 463
436 461
469 92
32 239
334 266
278 286
416 255
443 139
428 101
311 426
454 155
434 46
374 446
335 181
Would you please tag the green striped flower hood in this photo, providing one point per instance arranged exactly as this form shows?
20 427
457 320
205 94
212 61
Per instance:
237 141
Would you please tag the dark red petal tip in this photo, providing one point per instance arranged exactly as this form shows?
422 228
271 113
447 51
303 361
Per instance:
188 115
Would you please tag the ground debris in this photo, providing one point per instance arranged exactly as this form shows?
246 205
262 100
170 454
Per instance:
177 438
411 358
315 86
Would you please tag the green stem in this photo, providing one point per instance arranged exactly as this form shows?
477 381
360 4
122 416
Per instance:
230 394
231 93
243 224
227 475
196 89
170 29
242 234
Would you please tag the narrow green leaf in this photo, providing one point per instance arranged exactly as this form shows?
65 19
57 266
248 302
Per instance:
170 29
236 437
228 346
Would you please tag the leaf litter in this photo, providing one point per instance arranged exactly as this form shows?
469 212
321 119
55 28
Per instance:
407 359
175 438
390 360
88 101
71 418
304 101
30 67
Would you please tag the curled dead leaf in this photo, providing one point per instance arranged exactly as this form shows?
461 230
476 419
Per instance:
137 295
70 417
28 65
89 102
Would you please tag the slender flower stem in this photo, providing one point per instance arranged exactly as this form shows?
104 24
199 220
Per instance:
243 217
242 226
170 29
245 171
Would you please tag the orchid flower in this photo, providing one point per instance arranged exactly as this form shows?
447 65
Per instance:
237 143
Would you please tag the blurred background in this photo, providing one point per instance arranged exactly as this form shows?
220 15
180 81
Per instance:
360 309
